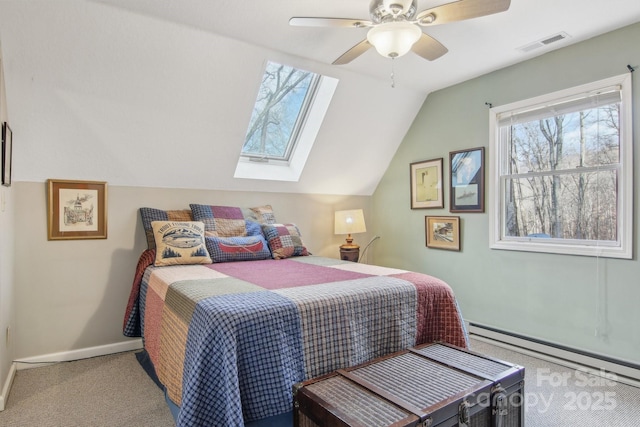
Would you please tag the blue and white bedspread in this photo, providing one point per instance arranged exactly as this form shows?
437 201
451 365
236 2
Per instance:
255 349
229 340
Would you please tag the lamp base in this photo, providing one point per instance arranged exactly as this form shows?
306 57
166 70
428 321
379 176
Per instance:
350 253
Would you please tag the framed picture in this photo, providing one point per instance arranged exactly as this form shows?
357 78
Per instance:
77 209
466 190
443 232
426 184
7 148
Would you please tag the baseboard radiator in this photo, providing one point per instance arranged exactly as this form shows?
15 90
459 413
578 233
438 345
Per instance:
627 372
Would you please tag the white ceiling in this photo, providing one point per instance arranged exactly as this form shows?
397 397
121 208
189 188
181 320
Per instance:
475 46
158 93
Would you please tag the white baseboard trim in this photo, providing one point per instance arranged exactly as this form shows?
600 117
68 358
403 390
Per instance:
7 386
625 374
81 353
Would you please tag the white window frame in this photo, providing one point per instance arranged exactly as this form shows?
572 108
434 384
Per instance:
623 248
291 169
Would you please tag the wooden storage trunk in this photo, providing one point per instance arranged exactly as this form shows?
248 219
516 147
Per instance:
429 385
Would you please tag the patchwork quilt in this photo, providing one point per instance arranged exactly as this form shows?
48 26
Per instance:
228 340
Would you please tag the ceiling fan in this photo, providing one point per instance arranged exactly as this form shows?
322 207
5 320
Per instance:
395 26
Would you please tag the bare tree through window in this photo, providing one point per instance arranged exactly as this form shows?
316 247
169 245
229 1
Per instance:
279 111
563 175
561 167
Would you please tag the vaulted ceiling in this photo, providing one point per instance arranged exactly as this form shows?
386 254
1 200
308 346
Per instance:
158 93
475 46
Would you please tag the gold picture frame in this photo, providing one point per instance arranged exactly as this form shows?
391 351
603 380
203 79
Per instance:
443 232
427 191
76 209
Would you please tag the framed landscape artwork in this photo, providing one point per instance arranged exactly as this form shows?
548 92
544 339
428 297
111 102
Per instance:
466 190
77 209
426 184
443 232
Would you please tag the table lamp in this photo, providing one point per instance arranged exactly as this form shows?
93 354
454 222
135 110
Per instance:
349 222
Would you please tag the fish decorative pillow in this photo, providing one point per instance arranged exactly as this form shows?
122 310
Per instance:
180 242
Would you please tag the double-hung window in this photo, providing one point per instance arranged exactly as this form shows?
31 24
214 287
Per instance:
561 172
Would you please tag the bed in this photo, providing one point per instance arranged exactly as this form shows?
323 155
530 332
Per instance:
227 340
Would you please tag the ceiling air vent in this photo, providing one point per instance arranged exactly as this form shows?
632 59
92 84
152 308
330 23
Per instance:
544 42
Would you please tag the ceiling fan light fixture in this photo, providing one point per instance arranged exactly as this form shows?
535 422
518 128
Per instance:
396 7
396 26
385 10
394 39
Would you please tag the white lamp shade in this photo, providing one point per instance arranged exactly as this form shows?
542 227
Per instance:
394 39
349 222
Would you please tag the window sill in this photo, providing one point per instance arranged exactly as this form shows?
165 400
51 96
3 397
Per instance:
564 249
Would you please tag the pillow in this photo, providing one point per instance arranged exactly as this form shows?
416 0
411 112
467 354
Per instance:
180 243
261 214
149 215
253 229
241 248
220 221
284 240
251 247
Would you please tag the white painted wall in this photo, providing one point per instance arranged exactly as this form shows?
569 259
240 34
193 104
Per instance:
102 93
7 285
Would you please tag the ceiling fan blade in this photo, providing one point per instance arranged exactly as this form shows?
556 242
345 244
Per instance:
461 10
429 48
353 53
329 22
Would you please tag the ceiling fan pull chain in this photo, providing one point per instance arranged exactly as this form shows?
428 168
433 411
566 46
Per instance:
393 75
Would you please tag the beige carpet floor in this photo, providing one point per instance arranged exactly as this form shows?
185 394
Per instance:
114 391
559 396
109 391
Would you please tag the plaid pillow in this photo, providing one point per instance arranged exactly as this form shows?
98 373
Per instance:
284 240
220 221
261 214
241 248
149 215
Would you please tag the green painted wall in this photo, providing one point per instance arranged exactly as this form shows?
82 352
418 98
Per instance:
581 302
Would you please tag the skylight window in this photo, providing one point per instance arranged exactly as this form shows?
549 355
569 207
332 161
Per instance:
279 112
287 115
